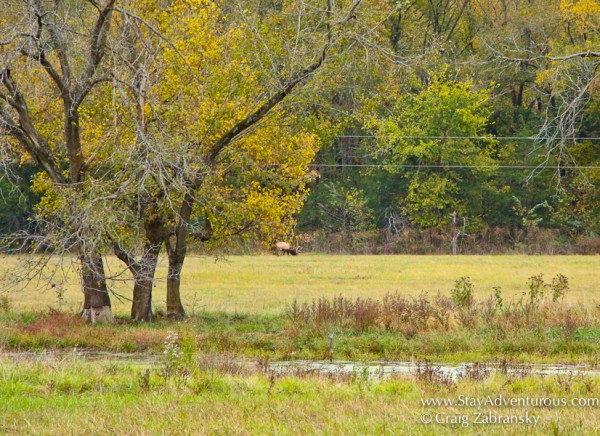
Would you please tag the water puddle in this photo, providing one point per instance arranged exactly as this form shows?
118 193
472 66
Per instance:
452 372
373 369
85 355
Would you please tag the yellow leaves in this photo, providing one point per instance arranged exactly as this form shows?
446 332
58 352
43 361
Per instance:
544 77
204 81
583 15
50 202
580 9
41 183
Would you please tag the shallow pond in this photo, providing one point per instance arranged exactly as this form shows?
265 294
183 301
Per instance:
372 369
387 369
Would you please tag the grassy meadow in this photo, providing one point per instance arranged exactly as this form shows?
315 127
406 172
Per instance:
209 374
46 395
268 283
391 308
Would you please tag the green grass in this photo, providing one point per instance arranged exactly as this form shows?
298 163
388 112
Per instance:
237 310
267 283
259 336
68 396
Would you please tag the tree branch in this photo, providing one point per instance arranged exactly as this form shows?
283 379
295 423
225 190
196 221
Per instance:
97 46
583 54
287 87
26 132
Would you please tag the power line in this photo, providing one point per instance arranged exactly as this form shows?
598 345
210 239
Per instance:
516 167
512 138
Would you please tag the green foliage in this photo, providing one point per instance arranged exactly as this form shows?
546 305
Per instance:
5 303
340 208
418 140
498 300
431 199
559 287
537 289
462 293
17 200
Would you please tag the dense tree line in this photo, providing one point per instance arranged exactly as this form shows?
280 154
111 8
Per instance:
484 125
130 127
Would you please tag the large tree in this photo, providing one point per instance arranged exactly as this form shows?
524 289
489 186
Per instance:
210 89
435 140
51 62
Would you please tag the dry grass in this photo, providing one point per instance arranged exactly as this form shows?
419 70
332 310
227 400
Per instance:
541 308
269 283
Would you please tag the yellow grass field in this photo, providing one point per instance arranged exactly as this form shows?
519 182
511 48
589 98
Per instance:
267 283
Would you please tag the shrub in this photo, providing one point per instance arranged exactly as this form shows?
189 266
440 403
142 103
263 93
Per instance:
559 287
5 304
462 293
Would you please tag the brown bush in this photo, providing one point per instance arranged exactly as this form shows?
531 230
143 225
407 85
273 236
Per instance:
538 308
588 246
55 324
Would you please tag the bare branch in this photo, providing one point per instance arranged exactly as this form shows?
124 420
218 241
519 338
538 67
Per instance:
287 87
583 54
97 48
26 132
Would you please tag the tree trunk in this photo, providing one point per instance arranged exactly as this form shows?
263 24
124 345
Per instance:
141 308
96 305
455 235
177 254
175 309
144 270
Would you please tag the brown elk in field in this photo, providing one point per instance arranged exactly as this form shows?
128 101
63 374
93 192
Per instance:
286 248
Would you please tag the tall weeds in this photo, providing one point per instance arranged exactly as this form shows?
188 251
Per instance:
539 307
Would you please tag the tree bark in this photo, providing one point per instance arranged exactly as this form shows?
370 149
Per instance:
96 306
177 254
175 309
141 308
144 270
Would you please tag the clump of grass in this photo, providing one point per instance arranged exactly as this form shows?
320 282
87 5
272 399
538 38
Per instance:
5 304
222 363
432 376
394 313
55 323
477 372
360 314
539 308
514 370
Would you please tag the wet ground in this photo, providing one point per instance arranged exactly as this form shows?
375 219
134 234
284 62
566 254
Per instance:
374 369
453 372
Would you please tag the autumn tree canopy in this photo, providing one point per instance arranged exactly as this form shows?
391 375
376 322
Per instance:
132 128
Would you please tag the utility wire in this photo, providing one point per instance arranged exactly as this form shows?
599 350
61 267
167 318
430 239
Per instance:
516 167
529 138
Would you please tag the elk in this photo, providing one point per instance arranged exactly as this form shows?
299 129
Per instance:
286 248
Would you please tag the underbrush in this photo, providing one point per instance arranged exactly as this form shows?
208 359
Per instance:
537 326
539 323
485 240
540 308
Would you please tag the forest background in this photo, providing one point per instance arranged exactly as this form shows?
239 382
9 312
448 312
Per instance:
439 126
